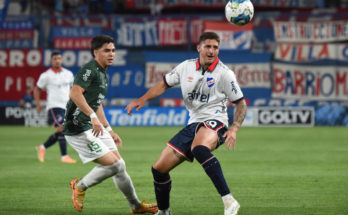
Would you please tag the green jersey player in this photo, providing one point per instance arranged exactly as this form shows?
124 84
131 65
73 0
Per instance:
89 133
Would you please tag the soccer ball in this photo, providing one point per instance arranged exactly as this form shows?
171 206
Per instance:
239 12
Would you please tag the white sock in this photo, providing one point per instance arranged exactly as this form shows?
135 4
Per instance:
228 200
43 147
124 183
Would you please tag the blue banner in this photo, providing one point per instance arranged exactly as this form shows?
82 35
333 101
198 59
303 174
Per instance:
17 24
75 32
16 44
126 81
131 34
147 116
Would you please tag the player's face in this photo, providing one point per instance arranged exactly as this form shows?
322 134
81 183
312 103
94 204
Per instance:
57 61
208 51
105 55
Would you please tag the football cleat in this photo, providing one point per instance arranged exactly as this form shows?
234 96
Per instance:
67 159
232 209
165 212
41 153
145 208
77 195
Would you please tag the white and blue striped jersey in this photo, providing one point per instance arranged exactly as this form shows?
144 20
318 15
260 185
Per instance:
205 93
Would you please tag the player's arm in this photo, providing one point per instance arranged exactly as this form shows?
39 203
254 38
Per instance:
37 93
105 123
76 95
231 134
152 93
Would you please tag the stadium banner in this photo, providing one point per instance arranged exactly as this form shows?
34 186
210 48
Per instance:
75 32
22 116
311 53
172 32
20 58
310 82
136 34
263 34
16 34
77 58
284 116
174 116
126 81
17 44
253 75
72 43
314 31
142 5
17 24
13 81
232 37
286 3
86 21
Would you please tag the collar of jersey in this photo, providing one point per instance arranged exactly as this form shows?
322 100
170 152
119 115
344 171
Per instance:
97 64
55 71
211 67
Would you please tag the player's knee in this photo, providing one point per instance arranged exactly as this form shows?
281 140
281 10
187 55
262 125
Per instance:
118 167
160 177
201 153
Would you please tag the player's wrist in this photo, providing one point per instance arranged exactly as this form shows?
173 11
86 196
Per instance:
93 115
108 128
235 125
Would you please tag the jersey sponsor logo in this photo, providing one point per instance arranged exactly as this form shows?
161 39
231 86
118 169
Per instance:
189 79
234 89
210 82
87 74
198 96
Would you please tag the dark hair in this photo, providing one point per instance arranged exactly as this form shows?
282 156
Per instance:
54 53
209 35
98 41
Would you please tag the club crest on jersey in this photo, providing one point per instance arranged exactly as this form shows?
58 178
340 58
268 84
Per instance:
210 82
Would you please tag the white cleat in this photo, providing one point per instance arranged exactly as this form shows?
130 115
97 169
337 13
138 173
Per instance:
165 212
232 209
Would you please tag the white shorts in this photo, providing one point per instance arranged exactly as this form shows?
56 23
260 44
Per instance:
91 147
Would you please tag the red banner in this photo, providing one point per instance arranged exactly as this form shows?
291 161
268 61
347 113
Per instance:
172 31
16 34
15 80
72 43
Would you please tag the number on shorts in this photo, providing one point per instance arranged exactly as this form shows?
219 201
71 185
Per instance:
94 147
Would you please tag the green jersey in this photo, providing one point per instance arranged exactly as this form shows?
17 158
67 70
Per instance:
92 77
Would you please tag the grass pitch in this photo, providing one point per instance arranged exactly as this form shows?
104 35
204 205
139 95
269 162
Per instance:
274 171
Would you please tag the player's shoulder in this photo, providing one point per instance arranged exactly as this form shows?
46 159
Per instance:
223 67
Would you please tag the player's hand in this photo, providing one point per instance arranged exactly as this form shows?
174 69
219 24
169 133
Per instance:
136 103
38 108
97 127
231 137
116 138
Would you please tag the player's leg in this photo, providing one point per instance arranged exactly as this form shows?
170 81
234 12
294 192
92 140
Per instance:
57 115
206 140
52 139
168 160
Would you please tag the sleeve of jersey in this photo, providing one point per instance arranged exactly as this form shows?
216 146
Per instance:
231 87
173 78
84 78
42 82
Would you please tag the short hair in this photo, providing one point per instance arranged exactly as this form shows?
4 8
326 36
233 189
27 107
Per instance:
54 53
98 41
209 35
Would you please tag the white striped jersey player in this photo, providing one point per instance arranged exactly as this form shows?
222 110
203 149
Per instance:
205 93
57 85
